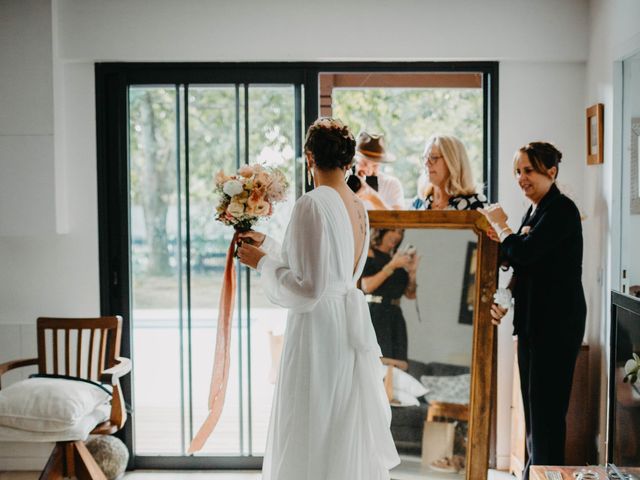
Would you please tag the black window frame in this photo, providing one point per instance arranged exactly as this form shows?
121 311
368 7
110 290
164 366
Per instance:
112 80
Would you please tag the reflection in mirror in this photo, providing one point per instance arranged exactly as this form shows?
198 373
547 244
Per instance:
437 325
420 287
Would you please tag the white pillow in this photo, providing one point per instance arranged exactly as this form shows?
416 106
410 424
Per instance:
404 382
80 431
48 404
404 399
450 389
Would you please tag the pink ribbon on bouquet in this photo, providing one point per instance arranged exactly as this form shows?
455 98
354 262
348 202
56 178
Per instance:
220 374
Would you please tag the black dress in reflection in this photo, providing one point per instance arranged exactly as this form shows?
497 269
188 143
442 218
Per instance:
384 305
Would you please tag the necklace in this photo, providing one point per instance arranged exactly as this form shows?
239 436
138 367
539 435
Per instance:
439 204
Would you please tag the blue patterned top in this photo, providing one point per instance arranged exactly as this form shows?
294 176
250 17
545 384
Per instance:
460 202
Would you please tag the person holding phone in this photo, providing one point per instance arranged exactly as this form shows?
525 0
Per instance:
388 274
450 179
378 191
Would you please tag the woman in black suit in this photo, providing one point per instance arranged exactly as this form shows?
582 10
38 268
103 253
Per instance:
549 305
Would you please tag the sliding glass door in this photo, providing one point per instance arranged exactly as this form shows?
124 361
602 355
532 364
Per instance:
164 131
180 136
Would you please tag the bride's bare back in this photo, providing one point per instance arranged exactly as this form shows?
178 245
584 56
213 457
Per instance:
358 218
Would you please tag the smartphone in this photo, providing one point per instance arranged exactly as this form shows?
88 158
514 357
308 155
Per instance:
354 182
409 250
372 181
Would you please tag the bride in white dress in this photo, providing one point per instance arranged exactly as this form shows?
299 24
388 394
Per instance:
330 416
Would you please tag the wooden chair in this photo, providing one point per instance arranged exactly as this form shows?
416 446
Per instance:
101 363
457 411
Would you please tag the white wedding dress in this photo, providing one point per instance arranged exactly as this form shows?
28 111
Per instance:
330 416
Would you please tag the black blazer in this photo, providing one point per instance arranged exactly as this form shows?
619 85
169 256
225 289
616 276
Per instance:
547 264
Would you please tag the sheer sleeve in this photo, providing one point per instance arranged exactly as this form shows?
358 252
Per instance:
272 247
299 277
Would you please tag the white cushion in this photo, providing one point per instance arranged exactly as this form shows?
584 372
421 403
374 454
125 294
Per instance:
404 382
80 431
450 389
48 404
404 399
406 389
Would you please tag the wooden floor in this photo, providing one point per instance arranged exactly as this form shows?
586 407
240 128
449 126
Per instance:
151 475
251 475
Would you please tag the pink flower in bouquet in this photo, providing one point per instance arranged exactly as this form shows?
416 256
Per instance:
262 180
235 209
221 178
277 188
245 171
257 204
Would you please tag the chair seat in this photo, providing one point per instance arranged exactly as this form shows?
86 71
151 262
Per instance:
80 431
105 428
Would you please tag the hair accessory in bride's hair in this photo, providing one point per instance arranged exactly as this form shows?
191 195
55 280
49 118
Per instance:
333 124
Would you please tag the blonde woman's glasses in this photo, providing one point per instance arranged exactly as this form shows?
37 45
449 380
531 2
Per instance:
432 159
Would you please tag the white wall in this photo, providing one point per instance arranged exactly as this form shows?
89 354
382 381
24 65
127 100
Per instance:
438 336
49 251
614 33
27 196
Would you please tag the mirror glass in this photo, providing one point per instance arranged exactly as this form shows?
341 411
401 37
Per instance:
629 275
440 328
428 324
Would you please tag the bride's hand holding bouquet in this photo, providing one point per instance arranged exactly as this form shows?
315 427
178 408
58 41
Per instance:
249 251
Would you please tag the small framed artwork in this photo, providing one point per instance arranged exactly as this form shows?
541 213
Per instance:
468 285
595 134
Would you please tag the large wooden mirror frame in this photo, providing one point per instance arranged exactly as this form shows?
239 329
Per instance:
483 352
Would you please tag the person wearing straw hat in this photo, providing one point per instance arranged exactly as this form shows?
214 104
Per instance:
370 155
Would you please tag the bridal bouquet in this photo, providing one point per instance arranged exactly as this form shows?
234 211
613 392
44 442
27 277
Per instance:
244 198
249 195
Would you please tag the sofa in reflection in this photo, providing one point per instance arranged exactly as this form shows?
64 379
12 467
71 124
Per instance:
407 423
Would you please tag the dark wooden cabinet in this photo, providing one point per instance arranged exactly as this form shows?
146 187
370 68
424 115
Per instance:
580 442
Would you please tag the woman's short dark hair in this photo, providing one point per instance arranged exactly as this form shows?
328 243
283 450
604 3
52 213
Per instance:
331 143
542 155
377 234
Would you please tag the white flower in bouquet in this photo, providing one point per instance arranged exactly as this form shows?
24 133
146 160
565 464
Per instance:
632 369
502 297
232 187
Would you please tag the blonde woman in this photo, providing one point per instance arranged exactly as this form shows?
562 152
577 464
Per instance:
451 185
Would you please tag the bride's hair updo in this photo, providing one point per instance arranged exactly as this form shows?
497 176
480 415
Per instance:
331 144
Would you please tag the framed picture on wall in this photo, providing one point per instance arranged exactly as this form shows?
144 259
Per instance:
468 285
595 134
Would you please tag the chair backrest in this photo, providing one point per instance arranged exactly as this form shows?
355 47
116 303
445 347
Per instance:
78 347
